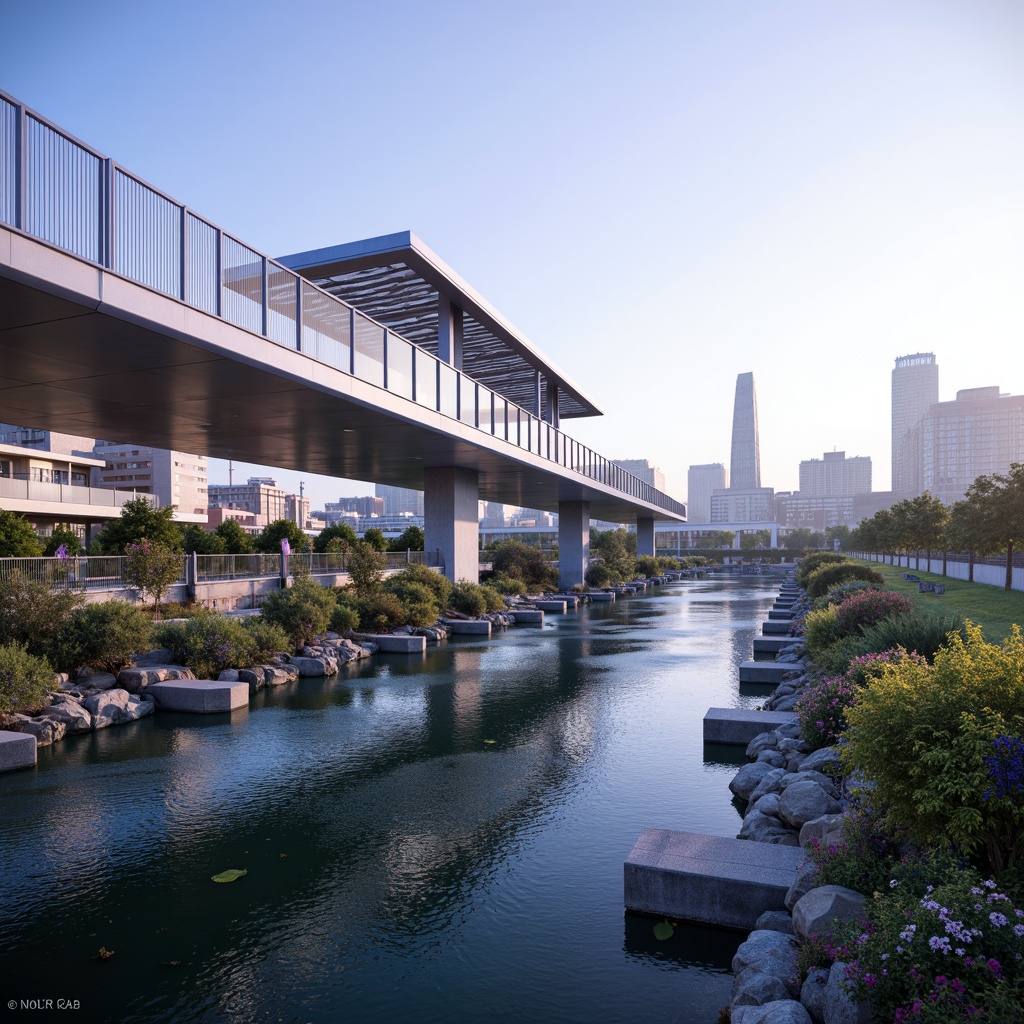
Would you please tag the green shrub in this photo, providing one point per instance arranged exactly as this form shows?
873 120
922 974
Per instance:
837 595
524 562
923 632
821 631
439 584
25 680
648 566
345 618
32 614
821 709
825 577
467 598
366 567
865 857
418 600
106 636
809 563
598 574
860 611
303 611
208 644
268 637
492 598
507 585
382 612
922 734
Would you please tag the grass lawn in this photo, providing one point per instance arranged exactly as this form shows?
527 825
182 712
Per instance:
992 608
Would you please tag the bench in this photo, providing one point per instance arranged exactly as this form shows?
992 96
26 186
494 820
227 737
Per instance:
911 578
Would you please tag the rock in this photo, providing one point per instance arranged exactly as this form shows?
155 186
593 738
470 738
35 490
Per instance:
139 707
816 911
787 702
791 731
806 879
75 717
822 780
109 708
803 801
762 828
782 1011
839 1007
747 778
762 741
775 921
772 757
97 681
821 759
818 828
790 744
308 666
771 783
228 675
767 804
812 995
770 952
755 988
45 730
137 679
254 678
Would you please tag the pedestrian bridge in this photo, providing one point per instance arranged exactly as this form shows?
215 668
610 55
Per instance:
124 314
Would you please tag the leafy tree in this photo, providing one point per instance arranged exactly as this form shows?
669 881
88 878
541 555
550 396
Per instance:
998 502
269 540
25 680
303 612
236 540
436 582
411 539
753 540
339 537
151 568
106 636
366 567
202 542
839 533
375 538
524 562
32 613
965 531
63 535
140 520
18 537
798 539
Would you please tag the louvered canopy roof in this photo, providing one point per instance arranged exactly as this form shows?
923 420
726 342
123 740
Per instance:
397 280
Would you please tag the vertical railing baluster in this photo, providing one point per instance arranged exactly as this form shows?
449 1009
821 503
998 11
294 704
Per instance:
183 219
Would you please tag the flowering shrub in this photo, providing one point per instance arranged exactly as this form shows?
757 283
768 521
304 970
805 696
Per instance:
837 595
866 667
822 708
952 953
866 855
862 610
825 577
208 644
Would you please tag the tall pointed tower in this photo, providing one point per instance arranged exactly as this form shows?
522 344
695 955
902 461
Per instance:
745 468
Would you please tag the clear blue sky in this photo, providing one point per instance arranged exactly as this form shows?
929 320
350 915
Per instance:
660 195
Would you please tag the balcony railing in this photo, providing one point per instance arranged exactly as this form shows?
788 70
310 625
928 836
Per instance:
37 490
65 193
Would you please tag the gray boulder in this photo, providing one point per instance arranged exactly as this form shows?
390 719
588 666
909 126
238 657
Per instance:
769 952
253 677
762 741
109 708
767 804
762 828
815 913
775 921
812 995
805 880
809 775
136 679
45 730
772 782
782 1011
75 717
818 828
755 988
821 759
839 1007
803 802
139 707
747 778
788 702
228 675
772 757
793 744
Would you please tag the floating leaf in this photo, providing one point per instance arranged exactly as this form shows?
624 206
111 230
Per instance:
282 855
663 930
230 875
104 953
490 741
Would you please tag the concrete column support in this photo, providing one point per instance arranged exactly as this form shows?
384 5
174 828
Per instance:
573 542
775 535
451 520
644 536
736 541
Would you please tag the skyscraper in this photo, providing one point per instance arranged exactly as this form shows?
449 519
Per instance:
745 467
915 387
700 482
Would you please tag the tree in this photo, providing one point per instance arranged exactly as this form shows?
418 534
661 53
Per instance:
998 501
412 539
797 539
339 537
17 537
515 560
965 531
140 520
202 542
839 533
63 536
269 540
375 538
366 567
236 540
756 540
152 568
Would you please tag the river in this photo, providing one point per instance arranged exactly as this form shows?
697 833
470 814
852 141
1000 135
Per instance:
430 839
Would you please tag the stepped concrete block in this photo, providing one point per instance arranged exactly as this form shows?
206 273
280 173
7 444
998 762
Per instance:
477 627
199 696
767 671
552 606
708 879
571 600
602 595
775 627
780 614
739 726
399 643
774 644
17 750
528 617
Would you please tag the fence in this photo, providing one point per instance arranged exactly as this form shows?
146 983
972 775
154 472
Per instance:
990 571
67 194
104 572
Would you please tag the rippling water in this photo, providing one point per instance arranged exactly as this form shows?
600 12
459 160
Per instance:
425 839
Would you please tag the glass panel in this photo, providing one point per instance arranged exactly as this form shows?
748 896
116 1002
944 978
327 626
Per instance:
368 344
147 230
399 366
242 290
448 399
467 400
8 162
484 410
202 265
282 296
426 379
326 329
500 411
62 191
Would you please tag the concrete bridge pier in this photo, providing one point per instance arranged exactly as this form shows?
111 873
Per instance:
644 536
451 520
573 542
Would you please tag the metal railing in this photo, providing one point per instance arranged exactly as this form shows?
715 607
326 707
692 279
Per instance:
85 572
67 194
38 490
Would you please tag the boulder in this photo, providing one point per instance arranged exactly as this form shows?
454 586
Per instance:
771 783
762 828
139 707
787 702
804 801
812 995
767 804
109 708
136 679
769 952
755 988
75 717
772 757
815 913
805 775
253 677
839 1007
806 879
762 741
775 921
790 744
747 778
228 675
818 828
781 1011
45 730
309 666
821 759
96 681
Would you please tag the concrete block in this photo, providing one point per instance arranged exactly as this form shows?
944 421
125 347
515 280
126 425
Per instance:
602 595
708 879
775 627
774 644
780 614
556 606
17 750
528 617
477 627
739 726
200 696
767 671
398 643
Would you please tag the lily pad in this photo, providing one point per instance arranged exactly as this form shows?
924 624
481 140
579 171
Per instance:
230 875
663 930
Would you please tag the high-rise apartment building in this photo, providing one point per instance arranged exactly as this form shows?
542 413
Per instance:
260 495
981 432
750 505
176 478
400 499
915 388
643 470
835 475
745 465
45 440
365 505
700 482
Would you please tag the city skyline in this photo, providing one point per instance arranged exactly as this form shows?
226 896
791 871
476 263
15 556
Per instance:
799 192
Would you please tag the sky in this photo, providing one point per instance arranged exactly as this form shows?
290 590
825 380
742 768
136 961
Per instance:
659 195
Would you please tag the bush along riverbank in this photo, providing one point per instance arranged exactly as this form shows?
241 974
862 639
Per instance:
903 779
